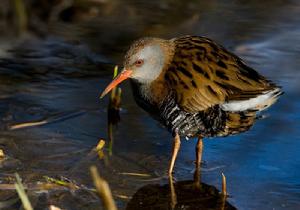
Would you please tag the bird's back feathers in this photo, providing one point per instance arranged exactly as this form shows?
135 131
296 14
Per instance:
204 74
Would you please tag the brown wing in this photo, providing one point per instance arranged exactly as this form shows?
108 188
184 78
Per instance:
204 74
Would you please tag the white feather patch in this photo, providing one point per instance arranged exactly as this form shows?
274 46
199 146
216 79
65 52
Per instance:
258 103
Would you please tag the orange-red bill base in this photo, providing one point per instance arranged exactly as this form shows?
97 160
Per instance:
125 74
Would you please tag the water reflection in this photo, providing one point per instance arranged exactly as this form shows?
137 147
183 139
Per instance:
185 195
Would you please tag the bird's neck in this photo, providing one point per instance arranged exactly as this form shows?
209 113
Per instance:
154 92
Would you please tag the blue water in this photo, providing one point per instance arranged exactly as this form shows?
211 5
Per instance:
63 80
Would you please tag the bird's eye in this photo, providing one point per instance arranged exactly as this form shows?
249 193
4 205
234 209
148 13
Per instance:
139 62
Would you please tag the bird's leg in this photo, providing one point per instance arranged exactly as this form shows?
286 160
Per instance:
176 146
172 192
199 148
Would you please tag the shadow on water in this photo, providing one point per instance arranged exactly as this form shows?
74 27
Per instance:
53 77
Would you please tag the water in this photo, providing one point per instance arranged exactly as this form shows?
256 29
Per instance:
59 79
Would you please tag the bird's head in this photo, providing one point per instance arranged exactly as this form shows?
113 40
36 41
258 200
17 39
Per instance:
144 61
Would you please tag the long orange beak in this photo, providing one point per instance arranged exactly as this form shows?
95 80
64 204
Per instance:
125 74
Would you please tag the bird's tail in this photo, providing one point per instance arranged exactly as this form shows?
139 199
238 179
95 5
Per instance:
258 103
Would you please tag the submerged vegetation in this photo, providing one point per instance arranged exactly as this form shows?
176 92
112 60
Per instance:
48 184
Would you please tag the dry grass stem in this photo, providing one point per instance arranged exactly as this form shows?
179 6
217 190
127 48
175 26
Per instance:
99 148
135 174
22 194
125 197
21 14
100 145
2 155
103 190
27 124
52 207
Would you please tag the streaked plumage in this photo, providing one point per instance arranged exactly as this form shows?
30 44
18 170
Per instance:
200 88
204 74
195 87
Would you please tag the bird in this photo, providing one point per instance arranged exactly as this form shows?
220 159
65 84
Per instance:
195 87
